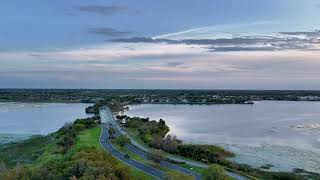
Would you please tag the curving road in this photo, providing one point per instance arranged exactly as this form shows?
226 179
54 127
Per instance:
107 117
163 163
104 141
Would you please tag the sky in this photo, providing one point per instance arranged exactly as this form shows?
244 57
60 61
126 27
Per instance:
165 44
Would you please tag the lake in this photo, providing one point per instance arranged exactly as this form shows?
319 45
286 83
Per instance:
22 120
283 134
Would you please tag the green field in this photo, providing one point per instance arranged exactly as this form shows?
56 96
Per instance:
88 137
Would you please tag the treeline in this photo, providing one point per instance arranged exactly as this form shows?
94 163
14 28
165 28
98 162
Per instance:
85 164
139 95
154 134
113 103
66 135
147 129
204 153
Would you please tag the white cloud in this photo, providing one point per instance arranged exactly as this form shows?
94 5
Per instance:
111 52
147 62
217 31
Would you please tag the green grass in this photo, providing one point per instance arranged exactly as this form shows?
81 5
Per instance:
174 175
137 174
192 168
88 137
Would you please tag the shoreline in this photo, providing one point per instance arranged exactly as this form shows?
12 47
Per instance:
267 171
22 120
261 149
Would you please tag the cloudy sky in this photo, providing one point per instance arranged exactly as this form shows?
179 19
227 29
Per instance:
207 44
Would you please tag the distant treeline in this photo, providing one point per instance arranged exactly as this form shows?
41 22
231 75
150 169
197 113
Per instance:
94 95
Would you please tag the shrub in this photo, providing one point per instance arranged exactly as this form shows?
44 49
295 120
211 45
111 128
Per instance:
155 155
122 140
215 172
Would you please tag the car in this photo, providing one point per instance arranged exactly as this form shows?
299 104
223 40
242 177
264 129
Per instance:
126 156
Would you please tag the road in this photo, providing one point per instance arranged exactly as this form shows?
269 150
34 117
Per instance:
104 141
140 150
109 120
163 163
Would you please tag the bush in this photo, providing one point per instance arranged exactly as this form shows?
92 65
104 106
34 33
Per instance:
111 132
197 153
170 144
79 127
88 122
155 155
122 140
287 176
215 172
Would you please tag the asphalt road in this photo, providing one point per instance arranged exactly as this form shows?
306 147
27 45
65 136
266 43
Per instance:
108 118
163 163
104 141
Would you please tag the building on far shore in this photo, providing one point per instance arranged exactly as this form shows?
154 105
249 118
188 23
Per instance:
309 98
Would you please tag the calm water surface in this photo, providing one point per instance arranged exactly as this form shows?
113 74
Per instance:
21 120
284 134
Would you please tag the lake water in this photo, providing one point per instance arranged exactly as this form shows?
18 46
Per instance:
21 120
283 134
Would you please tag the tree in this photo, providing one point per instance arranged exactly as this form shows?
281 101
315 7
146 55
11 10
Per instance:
122 140
78 167
215 172
170 144
155 155
111 132
79 127
156 141
162 123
